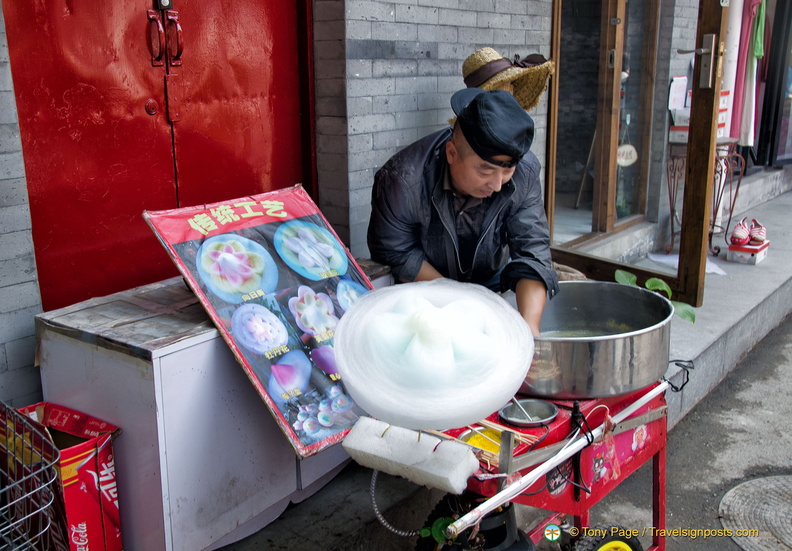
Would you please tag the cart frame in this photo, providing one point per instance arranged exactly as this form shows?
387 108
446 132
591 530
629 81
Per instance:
645 408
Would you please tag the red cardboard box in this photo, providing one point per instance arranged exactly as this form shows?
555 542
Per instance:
748 254
87 475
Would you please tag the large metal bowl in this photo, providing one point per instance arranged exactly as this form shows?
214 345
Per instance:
600 339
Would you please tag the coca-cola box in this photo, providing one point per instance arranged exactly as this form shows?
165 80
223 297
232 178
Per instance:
87 475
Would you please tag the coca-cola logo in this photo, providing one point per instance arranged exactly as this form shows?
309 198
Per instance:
79 536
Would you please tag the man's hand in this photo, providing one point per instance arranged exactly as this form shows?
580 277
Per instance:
531 298
427 272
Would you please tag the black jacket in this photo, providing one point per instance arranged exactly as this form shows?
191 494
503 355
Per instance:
411 221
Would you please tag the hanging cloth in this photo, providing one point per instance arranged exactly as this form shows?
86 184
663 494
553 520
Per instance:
731 54
750 8
748 123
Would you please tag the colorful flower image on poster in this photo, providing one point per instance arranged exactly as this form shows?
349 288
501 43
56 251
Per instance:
324 358
258 329
317 421
313 312
309 250
348 292
290 376
275 280
231 266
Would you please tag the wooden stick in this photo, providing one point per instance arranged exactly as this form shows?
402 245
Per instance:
482 454
527 439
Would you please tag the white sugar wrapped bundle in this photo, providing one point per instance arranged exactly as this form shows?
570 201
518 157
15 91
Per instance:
432 355
420 458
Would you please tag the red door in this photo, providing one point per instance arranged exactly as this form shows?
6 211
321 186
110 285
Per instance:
125 108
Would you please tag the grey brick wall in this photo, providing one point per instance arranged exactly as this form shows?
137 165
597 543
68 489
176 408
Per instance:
19 294
402 61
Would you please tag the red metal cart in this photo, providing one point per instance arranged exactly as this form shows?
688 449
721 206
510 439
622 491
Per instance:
574 462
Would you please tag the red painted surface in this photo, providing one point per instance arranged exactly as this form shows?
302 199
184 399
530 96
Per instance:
240 101
100 145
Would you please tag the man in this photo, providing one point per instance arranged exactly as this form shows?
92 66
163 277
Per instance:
465 203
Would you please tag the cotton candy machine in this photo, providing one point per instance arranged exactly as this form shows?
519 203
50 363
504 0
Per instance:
600 339
422 356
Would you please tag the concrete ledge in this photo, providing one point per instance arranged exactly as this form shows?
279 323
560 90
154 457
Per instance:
713 363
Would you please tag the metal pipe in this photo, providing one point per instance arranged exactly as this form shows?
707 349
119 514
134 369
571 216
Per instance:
573 447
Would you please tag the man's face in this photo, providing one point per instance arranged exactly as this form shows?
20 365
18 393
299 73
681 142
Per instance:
470 174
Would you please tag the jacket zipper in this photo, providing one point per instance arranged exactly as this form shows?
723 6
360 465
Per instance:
481 237
451 235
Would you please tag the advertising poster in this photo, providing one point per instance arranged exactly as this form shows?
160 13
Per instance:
275 279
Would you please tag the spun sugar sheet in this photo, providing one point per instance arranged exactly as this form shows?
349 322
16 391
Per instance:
420 458
432 355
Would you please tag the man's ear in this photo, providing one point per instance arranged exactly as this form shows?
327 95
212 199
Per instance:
451 151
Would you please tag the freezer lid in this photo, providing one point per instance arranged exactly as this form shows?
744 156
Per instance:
147 322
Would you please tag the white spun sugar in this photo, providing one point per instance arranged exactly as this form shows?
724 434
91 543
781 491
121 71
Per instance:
432 355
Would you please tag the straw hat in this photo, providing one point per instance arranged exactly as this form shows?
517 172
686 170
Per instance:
487 69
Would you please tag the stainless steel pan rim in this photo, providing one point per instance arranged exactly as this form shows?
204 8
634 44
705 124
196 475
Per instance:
625 347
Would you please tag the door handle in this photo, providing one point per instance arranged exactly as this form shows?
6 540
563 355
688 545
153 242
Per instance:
156 38
175 37
707 53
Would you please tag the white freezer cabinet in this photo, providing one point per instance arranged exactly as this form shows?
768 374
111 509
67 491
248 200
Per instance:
200 460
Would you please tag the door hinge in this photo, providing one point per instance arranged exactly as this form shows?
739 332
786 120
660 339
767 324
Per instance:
173 96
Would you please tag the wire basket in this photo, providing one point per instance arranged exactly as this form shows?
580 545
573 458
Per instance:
28 483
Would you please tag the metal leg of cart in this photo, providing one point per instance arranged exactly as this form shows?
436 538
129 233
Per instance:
659 499
658 509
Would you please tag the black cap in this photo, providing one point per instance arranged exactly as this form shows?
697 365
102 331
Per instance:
493 123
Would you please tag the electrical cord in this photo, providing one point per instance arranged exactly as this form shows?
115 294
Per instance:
385 523
685 366
535 443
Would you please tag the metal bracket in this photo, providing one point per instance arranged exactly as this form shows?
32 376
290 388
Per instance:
173 88
707 61
615 21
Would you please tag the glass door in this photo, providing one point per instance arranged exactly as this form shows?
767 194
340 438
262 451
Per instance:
606 88
601 101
